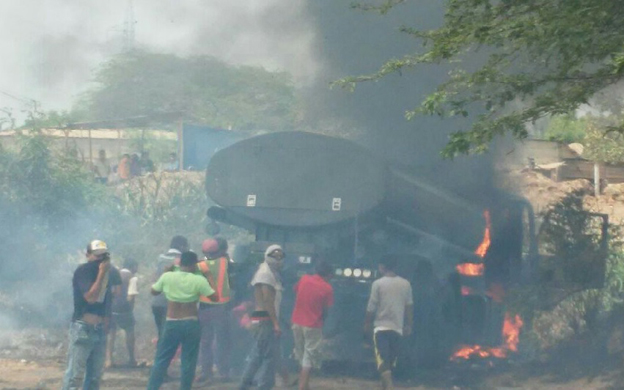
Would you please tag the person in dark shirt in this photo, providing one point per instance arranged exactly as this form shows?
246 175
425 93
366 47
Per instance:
93 285
147 165
135 165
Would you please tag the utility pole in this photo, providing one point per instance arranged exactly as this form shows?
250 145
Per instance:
129 31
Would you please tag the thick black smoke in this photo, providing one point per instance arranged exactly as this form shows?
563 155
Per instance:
354 42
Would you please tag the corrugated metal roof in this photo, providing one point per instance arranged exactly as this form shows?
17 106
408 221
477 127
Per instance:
96 134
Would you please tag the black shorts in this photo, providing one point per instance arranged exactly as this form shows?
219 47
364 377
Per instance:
387 344
124 321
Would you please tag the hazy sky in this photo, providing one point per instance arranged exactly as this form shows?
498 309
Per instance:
50 47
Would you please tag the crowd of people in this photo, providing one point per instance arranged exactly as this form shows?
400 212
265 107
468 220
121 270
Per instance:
129 166
193 318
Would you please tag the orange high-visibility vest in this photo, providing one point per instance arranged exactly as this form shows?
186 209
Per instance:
219 268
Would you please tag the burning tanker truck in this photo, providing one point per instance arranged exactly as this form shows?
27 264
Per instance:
321 196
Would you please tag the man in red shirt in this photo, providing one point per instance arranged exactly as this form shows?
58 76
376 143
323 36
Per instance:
314 296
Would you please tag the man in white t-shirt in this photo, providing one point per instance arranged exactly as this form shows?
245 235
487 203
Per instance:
101 167
391 306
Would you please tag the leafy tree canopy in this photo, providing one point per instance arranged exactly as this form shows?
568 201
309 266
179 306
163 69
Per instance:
48 119
602 144
595 132
539 58
205 89
566 128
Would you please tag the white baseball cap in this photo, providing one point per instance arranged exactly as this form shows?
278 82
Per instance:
97 247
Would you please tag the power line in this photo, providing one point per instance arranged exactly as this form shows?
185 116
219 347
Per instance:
32 103
22 99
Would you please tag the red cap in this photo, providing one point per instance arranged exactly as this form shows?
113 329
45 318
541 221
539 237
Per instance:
210 245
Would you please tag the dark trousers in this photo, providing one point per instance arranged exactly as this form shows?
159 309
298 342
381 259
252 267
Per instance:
160 316
261 363
176 333
215 328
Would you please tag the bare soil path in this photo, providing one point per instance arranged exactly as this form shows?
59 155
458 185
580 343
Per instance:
25 374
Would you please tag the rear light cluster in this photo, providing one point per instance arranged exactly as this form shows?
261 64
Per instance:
354 272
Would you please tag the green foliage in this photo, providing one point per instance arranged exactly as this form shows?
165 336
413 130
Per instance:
204 89
50 205
548 55
34 181
49 119
46 211
580 282
602 144
599 134
571 243
566 128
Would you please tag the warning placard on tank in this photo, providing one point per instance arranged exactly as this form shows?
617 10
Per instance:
251 200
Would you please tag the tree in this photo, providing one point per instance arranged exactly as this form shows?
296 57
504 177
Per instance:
48 119
539 58
603 145
566 128
203 88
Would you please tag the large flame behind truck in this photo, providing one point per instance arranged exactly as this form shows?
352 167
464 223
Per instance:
328 197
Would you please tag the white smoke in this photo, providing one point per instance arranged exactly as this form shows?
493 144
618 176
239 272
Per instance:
49 49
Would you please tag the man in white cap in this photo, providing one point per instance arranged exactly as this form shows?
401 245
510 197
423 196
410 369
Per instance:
93 285
262 361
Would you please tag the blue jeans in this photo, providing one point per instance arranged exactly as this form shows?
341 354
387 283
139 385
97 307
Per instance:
261 363
176 333
85 363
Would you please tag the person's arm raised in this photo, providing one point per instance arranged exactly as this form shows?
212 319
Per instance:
94 292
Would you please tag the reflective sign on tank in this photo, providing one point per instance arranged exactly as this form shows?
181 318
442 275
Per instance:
251 200
336 204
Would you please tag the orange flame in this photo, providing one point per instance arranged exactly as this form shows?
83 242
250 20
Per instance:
482 249
511 334
473 269
470 269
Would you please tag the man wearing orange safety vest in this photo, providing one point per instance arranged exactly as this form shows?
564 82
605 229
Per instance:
214 317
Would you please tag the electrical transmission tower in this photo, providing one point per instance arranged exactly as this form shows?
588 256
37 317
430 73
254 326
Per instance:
128 31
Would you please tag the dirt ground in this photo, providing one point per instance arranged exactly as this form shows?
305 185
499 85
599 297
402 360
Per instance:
35 359
23 374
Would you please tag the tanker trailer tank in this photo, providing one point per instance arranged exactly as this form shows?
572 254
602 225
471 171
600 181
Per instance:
296 180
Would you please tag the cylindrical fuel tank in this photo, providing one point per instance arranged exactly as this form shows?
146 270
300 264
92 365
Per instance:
296 179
